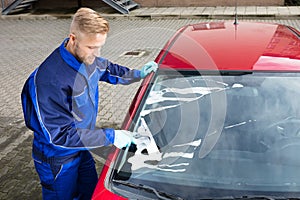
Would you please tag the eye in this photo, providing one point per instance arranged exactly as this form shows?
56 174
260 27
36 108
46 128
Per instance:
94 48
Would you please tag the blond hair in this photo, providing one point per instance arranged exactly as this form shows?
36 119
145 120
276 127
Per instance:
88 21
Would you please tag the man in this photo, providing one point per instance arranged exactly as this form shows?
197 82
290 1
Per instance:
60 104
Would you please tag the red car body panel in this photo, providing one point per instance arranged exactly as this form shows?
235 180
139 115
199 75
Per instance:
246 46
101 192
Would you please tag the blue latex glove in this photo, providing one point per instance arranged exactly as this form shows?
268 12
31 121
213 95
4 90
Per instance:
123 138
148 68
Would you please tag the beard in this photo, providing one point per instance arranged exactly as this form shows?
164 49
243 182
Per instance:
87 60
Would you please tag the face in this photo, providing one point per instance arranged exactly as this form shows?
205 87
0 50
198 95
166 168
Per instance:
86 47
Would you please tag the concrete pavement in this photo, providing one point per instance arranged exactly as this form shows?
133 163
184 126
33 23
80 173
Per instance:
25 43
217 12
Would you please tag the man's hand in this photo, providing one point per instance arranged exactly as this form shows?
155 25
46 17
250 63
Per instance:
123 138
148 68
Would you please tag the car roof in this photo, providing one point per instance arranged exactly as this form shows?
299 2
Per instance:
226 46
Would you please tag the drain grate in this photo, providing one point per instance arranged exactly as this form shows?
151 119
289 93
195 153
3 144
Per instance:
136 53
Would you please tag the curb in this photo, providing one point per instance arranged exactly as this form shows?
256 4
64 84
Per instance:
151 16
34 17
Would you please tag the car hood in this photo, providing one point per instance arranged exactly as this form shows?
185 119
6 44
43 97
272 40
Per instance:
226 46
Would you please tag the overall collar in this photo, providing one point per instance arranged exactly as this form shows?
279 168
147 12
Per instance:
70 59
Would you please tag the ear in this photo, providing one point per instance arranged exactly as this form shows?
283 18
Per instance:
72 38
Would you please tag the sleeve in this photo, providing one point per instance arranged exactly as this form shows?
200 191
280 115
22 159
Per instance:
54 107
118 74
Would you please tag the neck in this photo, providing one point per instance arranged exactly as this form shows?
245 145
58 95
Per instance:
68 47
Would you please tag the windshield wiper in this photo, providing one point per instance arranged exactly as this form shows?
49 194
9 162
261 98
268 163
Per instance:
252 197
160 194
236 73
264 198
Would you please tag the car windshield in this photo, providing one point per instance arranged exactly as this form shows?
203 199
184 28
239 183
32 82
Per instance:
218 135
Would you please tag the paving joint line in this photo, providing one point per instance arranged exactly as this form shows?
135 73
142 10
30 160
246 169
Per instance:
15 144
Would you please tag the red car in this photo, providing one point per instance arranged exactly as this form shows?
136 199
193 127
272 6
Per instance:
223 115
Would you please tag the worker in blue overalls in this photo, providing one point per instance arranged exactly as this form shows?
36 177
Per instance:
60 105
